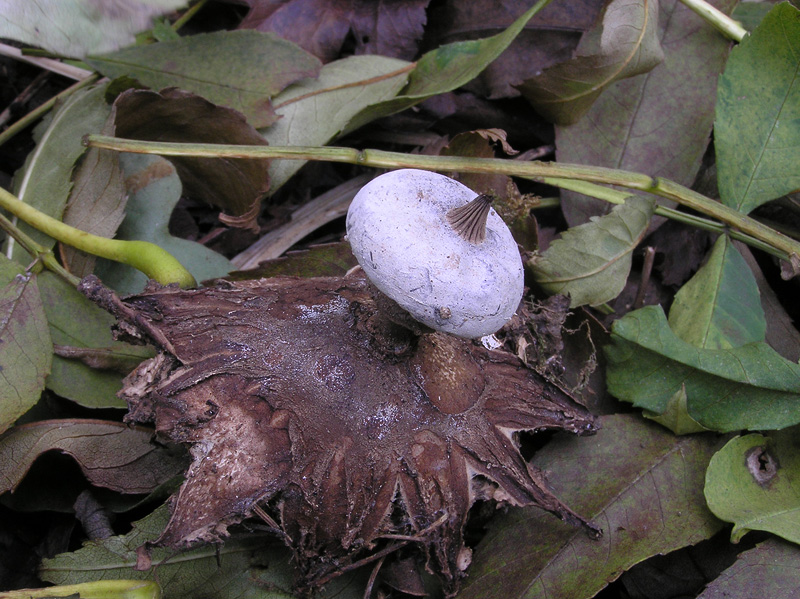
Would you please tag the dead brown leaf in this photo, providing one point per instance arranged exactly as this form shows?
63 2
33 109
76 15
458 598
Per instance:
233 185
110 454
389 28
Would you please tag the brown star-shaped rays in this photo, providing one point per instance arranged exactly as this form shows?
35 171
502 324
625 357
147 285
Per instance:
301 397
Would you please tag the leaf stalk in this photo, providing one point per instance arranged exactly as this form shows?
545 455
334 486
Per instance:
153 261
783 246
40 253
614 196
729 27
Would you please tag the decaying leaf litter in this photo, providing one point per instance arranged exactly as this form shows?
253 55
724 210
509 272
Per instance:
695 378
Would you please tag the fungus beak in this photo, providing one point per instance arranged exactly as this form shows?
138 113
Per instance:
469 220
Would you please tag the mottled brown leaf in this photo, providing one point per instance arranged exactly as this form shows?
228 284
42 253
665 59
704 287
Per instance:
96 203
640 481
110 454
770 569
390 28
234 185
305 398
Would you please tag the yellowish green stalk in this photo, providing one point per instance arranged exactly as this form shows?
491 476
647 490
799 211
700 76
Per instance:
186 16
614 196
719 20
153 261
39 252
783 246
102 589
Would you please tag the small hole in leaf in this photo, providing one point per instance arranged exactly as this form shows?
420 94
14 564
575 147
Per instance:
763 467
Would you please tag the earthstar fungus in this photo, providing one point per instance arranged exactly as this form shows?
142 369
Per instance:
319 405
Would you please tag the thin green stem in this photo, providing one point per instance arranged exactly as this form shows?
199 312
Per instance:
131 589
39 252
536 171
614 196
190 12
607 194
40 111
147 257
719 20
550 202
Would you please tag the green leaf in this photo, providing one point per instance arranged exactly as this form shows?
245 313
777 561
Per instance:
747 387
26 351
751 13
642 485
245 567
768 570
445 69
720 306
754 482
656 123
79 27
149 207
163 31
676 415
112 455
314 111
757 127
193 574
265 64
45 181
591 262
624 43
78 324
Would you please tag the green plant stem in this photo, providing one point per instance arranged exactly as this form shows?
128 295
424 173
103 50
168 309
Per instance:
719 20
152 260
39 111
537 171
190 12
39 252
613 196
550 202
101 589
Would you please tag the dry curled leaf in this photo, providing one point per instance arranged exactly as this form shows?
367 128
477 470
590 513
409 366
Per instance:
234 185
305 400
110 454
